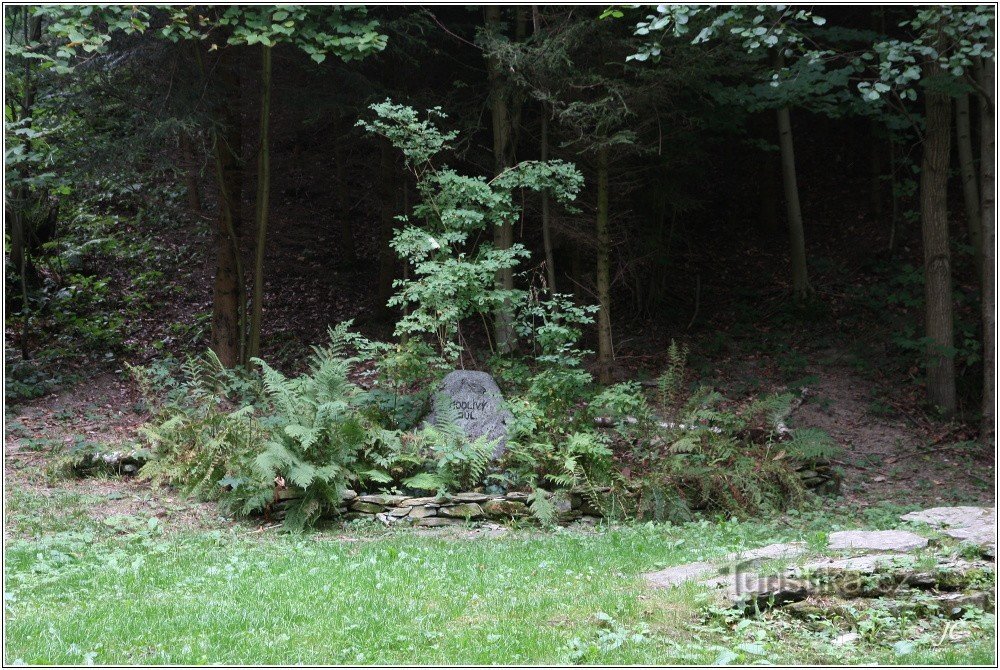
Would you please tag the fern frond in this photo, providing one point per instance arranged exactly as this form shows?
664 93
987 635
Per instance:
811 444
426 481
541 507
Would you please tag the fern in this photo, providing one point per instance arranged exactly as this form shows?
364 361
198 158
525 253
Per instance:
426 481
460 462
670 382
541 507
313 437
811 444
375 475
770 410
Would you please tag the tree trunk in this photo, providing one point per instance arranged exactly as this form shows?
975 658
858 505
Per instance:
387 257
987 120
576 271
228 338
801 289
550 263
190 173
503 158
894 196
263 203
967 166
605 351
937 255
20 225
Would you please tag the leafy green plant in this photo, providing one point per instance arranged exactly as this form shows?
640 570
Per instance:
204 429
811 444
452 278
542 507
552 325
317 436
457 461
669 383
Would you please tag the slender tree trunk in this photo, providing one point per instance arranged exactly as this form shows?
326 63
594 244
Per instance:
550 263
190 173
967 166
987 121
228 338
263 203
801 289
21 226
387 258
937 255
503 158
605 351
577 271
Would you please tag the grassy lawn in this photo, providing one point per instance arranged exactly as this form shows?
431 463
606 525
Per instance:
124 591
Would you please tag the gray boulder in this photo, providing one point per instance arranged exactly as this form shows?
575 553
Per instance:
479 403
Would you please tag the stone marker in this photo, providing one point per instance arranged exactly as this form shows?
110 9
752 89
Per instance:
479 403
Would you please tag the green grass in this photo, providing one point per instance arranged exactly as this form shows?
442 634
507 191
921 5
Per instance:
126 593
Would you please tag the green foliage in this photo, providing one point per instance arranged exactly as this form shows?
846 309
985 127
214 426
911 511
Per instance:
810 445
458 462
319 31
951 36
26 379
453 278
580 459
670 382
552 326
757 27
716 457
541 506
316 436
203 430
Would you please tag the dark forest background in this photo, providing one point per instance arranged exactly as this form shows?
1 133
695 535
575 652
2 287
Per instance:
116 249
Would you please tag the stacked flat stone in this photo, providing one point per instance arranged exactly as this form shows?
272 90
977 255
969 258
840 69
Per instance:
458 509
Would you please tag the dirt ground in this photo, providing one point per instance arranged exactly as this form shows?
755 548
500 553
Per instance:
888 457
901 458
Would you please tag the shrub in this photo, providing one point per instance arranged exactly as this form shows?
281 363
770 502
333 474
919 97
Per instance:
452 277
204 429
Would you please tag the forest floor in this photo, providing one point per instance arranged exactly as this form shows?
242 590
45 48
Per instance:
890 458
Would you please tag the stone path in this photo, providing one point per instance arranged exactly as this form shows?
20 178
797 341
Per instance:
977 525
871 564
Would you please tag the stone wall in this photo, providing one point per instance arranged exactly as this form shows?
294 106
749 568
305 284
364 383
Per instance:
460 508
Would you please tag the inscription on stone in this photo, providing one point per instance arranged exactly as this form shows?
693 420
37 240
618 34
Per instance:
479 403
469 409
